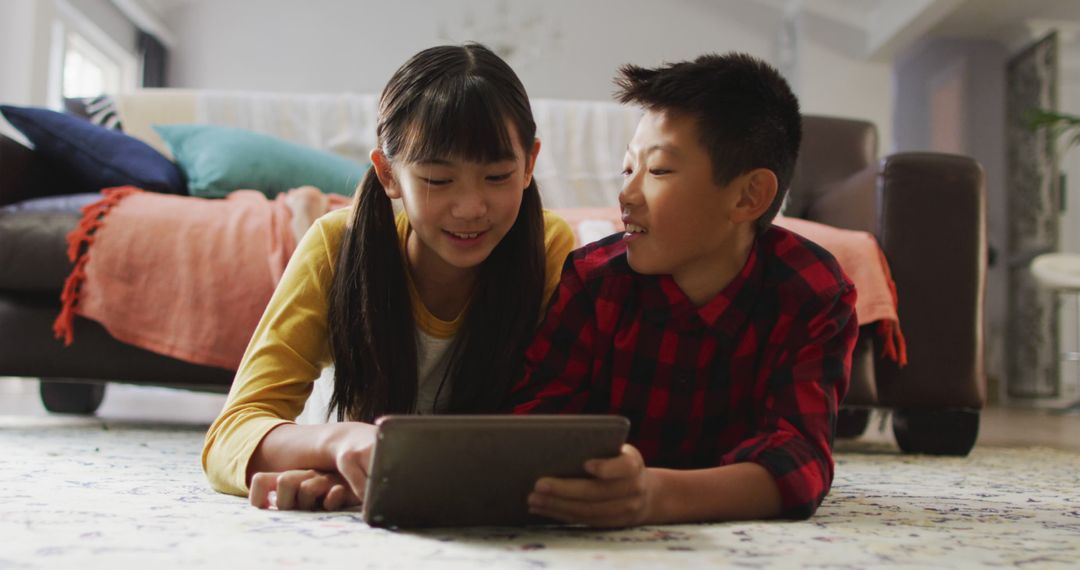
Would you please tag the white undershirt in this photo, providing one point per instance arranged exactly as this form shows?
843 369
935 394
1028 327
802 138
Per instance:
432 358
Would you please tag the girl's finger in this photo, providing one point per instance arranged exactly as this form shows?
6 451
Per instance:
354 470
335 498
311 492
262 484
288 485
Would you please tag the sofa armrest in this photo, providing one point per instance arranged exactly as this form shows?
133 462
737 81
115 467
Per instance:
18 167
932 227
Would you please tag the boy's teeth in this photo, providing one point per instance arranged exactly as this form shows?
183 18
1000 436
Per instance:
634 228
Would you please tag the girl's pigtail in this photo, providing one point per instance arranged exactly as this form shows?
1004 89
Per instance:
372 331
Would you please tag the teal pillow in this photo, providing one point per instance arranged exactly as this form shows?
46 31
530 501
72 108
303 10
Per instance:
218 160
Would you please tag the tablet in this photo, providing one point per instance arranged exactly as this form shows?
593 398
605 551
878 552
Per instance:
477 470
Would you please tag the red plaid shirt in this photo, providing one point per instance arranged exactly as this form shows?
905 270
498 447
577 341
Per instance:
754 375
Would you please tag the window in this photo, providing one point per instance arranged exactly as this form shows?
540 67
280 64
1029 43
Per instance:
87 71
85 61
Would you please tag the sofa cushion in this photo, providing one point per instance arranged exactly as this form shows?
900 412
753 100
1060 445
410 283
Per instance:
33 250
97 157
69 203
218 160
100 110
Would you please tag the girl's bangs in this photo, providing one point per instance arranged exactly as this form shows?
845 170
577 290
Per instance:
462 119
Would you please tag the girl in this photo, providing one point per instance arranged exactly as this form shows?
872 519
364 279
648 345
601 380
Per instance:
425 312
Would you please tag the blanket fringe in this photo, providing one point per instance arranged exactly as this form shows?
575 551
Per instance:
79 241
893 338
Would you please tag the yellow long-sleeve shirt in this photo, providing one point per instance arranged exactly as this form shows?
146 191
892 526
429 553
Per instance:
291 345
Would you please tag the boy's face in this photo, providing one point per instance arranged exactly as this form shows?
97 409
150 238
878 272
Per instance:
678 219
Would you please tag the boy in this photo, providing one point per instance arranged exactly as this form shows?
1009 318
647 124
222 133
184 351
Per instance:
726 341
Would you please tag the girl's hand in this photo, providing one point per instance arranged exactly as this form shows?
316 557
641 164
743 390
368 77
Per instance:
302 489
623 493
350 447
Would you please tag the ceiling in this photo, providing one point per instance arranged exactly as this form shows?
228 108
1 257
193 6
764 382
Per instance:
998 18
884 26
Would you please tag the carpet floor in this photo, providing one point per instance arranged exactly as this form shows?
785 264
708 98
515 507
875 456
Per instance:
79 493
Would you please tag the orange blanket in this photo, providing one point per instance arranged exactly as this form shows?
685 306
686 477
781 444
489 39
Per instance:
857 252
181 276
862 259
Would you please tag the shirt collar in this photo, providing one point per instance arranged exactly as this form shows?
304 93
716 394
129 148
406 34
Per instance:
665 302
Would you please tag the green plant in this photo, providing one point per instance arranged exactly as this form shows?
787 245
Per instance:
1059 124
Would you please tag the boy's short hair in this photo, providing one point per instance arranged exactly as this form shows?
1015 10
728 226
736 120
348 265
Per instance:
746 114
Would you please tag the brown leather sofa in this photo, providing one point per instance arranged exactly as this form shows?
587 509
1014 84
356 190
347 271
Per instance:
927 210
33 267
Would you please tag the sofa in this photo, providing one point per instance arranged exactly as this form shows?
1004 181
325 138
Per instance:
927 211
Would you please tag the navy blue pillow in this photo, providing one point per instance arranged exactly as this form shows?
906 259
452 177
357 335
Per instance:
97 157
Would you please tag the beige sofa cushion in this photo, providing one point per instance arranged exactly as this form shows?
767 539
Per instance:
140 110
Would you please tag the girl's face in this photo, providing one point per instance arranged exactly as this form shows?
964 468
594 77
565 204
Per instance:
458 210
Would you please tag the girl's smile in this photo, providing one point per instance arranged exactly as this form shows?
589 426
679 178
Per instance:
466 239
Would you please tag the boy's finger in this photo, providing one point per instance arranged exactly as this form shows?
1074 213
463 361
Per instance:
588 490
607 513
262 484
627 464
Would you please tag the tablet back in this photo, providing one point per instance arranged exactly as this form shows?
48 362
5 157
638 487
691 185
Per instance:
477 470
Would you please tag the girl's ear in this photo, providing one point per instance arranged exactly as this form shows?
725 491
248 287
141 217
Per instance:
530 161
385 172
756 194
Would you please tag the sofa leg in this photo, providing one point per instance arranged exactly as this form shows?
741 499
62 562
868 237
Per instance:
936 432
63 397
851 422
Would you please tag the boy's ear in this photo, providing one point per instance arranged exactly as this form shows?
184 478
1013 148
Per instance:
530 161
756 194
385 172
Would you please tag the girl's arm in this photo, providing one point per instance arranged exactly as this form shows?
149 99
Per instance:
275 377
341 447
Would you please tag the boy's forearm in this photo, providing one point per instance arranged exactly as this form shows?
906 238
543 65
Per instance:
733 492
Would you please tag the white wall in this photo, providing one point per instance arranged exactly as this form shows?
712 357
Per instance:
24 55
111 21
26 38
832 83
24 51
562 48
1069 161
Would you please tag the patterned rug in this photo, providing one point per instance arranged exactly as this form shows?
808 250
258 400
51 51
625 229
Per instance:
77 493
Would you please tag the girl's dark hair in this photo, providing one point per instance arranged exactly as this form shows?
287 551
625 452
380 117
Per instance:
747 116
448 102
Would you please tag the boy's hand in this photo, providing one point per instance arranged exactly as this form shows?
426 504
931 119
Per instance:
622 494
302 490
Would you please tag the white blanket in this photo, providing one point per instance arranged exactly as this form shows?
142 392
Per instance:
582 142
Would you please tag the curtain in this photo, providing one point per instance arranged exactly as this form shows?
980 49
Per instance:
154 59
1033 220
